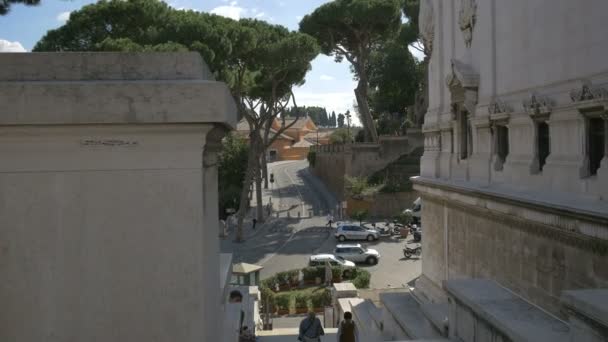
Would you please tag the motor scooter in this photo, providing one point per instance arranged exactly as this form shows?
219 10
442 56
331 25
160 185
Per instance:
415 250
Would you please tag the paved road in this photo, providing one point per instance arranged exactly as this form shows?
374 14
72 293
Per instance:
286 242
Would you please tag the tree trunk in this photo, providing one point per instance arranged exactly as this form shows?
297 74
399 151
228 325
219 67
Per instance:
244 201
258 191
362 101
265 170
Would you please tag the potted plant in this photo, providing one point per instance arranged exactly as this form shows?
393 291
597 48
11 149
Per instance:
283 280
309 274
282 302
293 278
336 273
321 299
319 275
301 303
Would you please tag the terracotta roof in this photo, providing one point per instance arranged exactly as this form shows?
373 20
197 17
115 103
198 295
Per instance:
301 123
245 268
322 134
303 143
243 129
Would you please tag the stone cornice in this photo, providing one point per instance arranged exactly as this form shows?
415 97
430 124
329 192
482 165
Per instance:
597 245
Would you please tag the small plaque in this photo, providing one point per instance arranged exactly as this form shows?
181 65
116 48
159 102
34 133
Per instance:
109 142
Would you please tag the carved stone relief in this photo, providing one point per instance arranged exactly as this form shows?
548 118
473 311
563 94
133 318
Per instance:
426 24
537 106
466 19
588 92
498 107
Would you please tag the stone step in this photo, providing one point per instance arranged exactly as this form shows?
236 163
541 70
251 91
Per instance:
502 312
290 335
407 312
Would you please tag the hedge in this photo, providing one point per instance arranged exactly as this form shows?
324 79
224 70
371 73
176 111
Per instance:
301 301
283 300
321 299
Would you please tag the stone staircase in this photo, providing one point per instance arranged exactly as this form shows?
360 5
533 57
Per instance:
291 335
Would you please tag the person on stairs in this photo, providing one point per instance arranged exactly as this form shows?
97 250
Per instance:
347 330
311 329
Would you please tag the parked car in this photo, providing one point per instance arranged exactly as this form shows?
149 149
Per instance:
320 259
355 232
357 253
415 211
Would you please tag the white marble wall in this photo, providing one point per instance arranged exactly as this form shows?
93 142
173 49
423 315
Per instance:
518 48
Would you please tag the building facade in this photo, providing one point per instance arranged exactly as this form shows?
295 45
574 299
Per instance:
292 144
514 176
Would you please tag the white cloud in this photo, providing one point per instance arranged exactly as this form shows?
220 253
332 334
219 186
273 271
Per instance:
259 15
419 55
63 17
233 11
6 46
299 17
326 78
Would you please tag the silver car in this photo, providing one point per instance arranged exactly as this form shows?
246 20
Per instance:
355 232
357 253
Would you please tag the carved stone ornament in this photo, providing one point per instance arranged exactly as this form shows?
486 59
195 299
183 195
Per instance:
537 106
466 20
588 93
498 107
426 24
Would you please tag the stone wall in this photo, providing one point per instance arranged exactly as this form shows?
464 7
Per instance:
382 205
470 238
333 162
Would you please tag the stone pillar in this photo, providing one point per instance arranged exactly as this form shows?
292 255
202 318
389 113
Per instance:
108 197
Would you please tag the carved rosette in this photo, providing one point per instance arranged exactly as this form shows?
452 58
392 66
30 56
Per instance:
537 106
426 24
466 20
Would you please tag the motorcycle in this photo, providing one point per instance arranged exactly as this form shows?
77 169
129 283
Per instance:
409 251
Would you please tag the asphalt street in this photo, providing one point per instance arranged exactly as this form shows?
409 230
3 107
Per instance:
287 242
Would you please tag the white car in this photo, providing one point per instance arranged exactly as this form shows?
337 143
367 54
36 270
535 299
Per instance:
357 253
355 232
320 259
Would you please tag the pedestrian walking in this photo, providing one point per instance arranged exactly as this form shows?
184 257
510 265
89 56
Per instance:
311 329
347 330
254 221
330 221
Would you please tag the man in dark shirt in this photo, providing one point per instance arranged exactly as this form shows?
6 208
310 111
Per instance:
311 329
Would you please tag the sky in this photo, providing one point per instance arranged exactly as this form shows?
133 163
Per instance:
328 84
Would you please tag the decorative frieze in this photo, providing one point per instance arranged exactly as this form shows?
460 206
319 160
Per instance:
588 93
466 20
537 106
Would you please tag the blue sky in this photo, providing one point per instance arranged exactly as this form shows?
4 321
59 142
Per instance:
328 84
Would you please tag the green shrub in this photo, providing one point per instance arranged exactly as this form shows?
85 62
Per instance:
293 275
268 298
270 283
301 301
282 278
362 280
336 272
310 273
321 298
312 158
283 301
